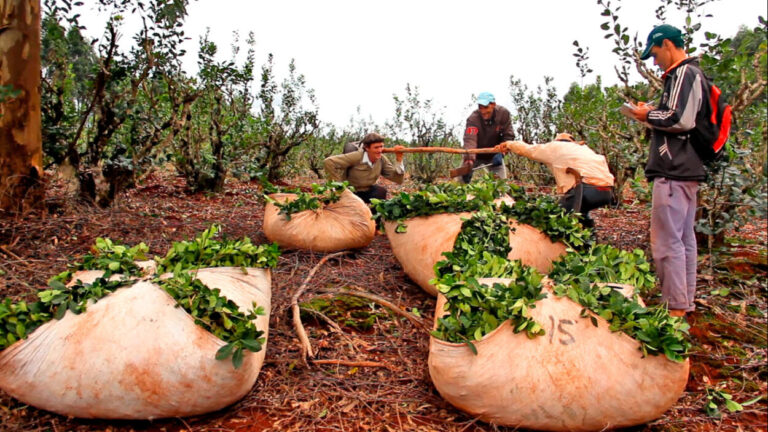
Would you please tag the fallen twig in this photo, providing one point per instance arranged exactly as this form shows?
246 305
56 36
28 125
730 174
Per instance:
358 292
306 346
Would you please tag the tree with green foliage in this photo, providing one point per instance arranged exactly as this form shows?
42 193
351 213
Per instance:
219 118
417 123
288 117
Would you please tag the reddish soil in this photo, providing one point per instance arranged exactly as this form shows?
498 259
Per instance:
391 389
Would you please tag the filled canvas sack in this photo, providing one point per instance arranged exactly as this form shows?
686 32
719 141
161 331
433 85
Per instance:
576 377
135 354
344 224
427 237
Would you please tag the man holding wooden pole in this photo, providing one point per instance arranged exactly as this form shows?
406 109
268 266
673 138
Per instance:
363 168
488 126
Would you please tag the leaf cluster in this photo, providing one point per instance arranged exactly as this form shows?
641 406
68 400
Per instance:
17 320
442 198
218 315
545 214
605 263
476 309
480 248
321 195
205 251
112 257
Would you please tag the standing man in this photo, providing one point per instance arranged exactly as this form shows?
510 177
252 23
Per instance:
582 176
363 168
673 166
488 126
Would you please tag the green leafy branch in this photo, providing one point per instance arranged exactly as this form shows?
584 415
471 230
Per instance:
442 198
112 257
545 214
321 195
718 398
205 251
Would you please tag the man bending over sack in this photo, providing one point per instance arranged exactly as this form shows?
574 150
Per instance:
582 175
362 168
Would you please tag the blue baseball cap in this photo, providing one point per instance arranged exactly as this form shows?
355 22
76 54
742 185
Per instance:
657 36
485 98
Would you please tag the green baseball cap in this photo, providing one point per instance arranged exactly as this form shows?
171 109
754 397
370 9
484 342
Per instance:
657 36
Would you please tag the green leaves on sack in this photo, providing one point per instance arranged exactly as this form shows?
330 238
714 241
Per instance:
218 315
204 251
441 198
112 257
18 320
575 276
321 195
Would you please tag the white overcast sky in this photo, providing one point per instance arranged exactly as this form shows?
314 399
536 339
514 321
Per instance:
358 53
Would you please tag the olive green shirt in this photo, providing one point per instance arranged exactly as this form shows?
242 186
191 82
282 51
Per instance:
356 169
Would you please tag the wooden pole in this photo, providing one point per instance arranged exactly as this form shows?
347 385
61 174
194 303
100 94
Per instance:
441 150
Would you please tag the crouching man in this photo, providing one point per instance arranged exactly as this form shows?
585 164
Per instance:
582 176
363 168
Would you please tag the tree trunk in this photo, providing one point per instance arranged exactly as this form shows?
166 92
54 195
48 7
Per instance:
21 151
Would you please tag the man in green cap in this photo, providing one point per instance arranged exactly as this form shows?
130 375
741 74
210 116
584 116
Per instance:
673 165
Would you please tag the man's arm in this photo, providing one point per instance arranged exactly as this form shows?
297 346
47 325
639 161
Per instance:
683 105
394 172
336 166
538 152
470 137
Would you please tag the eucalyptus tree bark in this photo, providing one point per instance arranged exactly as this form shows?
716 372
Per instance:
21 153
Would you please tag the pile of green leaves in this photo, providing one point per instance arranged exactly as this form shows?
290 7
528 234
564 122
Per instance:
218 315
575 276
205 251
476 309
605 263
480 249
112 257
441 198
545 214
321 195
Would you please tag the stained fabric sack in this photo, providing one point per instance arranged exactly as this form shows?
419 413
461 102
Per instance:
577 377
427 237
135 355
345 224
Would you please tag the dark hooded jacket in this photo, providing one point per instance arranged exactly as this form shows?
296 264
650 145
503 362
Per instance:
672 154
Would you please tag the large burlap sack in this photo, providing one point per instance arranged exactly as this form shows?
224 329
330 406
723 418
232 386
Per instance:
427 237
345 224
577 377
135 355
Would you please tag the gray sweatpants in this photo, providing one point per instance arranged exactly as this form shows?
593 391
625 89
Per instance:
673 243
